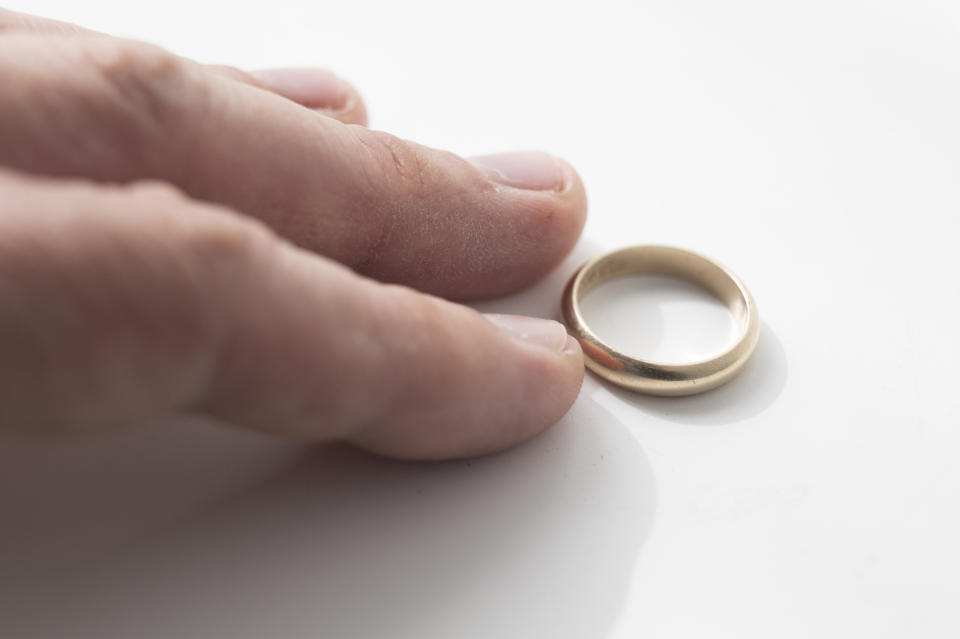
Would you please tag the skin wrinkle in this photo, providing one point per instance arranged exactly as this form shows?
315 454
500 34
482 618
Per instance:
428 209
295 207
282 205
145 78
102 96
148 91
387 216
373 252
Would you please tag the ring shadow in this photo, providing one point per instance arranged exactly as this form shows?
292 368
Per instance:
750 393
538 541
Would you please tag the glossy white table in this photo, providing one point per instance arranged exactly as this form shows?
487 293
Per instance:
815 496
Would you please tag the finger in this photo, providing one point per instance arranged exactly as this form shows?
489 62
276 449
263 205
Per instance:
315 88
122 303
11 21
115 110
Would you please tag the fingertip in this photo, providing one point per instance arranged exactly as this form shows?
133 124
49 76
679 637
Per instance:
573 204
545 380
517 214
493 383
544 225
576 193
561 385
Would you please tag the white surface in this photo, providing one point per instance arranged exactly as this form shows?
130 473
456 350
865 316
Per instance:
813 147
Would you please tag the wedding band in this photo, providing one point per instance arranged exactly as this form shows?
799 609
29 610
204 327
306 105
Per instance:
655 378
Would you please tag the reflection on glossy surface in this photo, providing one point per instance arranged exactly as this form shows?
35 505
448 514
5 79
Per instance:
201 532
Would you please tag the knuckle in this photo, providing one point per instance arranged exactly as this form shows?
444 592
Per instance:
229 249
145 85
91 102
134 66
228 241
404 164
209 236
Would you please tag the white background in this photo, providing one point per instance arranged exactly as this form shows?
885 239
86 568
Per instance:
813 147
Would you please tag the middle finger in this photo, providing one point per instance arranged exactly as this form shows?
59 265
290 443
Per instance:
115 110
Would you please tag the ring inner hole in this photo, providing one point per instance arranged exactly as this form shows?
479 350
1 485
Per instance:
660 319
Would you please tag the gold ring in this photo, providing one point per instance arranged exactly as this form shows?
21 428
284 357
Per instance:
656 378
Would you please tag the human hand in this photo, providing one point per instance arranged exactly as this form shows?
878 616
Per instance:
180 238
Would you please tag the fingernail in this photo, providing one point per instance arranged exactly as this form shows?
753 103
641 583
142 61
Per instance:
534 170
572 347
546 333
314 88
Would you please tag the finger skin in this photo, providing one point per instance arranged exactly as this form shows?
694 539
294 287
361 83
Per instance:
122 303
345 105
350 109
14 21
115 110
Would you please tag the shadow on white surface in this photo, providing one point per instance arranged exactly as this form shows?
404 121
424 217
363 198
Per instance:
248 537
754 390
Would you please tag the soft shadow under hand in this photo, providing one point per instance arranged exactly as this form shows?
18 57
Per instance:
536 542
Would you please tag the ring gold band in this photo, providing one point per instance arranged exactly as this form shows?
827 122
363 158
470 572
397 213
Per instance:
656 378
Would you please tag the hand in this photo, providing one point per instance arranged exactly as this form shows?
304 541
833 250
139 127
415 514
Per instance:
185 238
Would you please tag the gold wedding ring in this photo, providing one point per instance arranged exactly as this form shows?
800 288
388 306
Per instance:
655 378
